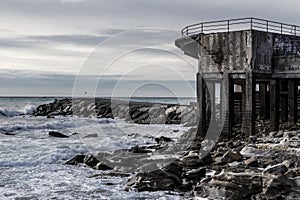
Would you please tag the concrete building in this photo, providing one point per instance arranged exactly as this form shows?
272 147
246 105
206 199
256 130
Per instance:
253 64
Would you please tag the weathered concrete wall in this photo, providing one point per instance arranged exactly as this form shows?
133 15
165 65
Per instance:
286 53
241 51
262 51
275 52
225 51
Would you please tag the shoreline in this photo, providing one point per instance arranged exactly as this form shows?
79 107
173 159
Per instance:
265 166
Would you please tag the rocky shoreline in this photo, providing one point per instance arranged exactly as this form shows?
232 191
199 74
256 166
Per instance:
265 166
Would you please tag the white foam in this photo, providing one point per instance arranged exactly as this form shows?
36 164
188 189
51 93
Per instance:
29 109
26 110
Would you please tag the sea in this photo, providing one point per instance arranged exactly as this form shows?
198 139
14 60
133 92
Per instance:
32 164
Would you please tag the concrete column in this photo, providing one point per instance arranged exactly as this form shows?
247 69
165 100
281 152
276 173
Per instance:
243 128
292 101
283 104
201 98
221 102
263 100
249 116
227 104
212 101
274 105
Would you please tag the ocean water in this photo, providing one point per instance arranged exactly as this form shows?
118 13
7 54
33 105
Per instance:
32 163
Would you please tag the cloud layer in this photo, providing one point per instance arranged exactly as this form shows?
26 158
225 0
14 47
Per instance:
55 37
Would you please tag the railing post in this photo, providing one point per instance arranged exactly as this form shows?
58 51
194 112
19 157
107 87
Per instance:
201 27
187 31
267 26
228 24
295 30
251 23
281 28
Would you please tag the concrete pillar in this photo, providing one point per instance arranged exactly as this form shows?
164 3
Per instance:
221 102
211 101
263 100
249 116
274 105
283 104
227 104
292 101
243 107
201 98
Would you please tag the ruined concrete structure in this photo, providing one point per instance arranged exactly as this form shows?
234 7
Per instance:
253 64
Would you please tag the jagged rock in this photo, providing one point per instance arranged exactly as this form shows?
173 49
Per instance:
76 160
90 161
139 149
195 160
156 111
57 134
228 185
168 178
195 175
277 187
102 166
251 162
163 139
230 156
276 169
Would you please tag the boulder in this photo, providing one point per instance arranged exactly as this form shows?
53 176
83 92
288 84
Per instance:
163 139
195 175
195 160
76 160
88 160
228 185
57 134
168 178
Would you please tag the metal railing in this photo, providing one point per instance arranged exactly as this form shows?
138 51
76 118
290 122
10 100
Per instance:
241 24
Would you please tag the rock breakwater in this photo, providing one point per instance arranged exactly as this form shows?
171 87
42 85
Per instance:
136 112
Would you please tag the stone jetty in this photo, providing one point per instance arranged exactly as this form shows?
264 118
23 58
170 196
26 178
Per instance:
137 112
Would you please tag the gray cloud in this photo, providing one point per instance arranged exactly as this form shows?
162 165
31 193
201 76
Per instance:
57 35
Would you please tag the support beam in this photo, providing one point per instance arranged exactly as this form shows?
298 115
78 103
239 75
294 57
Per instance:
292 101
227 105
274 105
263 100
212 101
283 104
249 116
201 98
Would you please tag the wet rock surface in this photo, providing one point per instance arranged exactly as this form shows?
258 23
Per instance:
265 166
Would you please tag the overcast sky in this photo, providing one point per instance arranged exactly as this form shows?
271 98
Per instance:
46 44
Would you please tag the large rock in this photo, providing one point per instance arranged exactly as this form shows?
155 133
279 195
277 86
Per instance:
57 134
88 160
195 160
228 185
168 178
276 169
